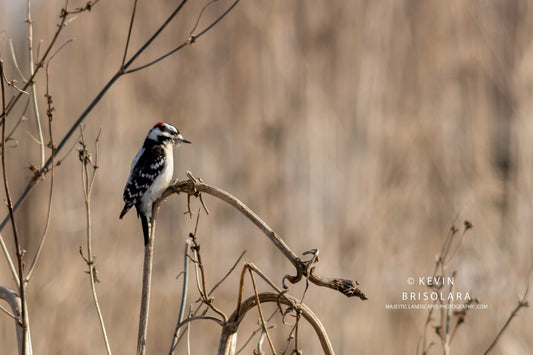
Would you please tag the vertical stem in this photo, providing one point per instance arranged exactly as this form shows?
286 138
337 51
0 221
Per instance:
129 33
447 321
22 292
184 292
93 275
147 285
263 324
33 89
51 145
88 183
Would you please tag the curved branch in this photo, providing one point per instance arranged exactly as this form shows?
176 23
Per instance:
195 187
233 323
193 318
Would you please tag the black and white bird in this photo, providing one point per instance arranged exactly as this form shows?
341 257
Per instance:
151 172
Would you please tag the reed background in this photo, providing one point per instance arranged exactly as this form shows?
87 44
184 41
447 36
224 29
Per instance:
362 128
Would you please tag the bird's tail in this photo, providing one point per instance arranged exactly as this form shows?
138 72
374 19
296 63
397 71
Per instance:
146 228
125 210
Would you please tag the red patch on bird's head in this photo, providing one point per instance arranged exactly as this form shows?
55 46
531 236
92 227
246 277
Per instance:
159 124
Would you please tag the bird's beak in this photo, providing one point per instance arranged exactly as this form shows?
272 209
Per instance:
179 139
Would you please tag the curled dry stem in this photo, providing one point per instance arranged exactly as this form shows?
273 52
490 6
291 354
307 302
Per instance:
234 320
195 247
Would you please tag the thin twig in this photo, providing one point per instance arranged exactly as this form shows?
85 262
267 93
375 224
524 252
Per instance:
202 287
22 118
129 32
70 150
461 315
213 24
200 16
227 274
195 312
447 320
151 39
188 41
87 183
263 324
194 318
467 225
443 329
424 337
9 260
58 50
521 303
88 7
260 329
13 84
33 87
50 114
184 292
293 335
15 62
189 326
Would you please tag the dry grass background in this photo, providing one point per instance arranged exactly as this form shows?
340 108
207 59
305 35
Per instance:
361 128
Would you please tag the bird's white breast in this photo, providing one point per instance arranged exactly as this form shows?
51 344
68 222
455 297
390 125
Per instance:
160 183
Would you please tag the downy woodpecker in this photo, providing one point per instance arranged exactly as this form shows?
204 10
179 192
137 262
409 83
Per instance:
151 173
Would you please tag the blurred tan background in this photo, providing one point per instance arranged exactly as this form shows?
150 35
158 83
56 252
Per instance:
362 128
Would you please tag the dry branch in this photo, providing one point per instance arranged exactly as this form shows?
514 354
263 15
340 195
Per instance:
87 184
306 269
146 287
521 303
32 83
233 323
184 292
195 312
260 310
444 329
202 288
50 113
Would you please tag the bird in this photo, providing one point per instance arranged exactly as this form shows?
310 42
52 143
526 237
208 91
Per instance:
151 173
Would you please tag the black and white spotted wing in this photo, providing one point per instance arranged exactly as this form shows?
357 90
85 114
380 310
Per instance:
147 165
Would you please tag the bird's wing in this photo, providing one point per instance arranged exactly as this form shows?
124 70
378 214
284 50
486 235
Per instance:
146 166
